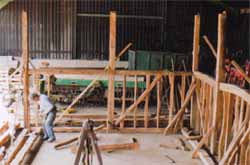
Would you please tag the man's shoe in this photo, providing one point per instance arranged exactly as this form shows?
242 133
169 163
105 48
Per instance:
51 140
45 138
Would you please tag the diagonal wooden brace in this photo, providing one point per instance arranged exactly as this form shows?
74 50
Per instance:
182 109
139 100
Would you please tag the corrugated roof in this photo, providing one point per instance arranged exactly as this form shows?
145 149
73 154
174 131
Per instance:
4 3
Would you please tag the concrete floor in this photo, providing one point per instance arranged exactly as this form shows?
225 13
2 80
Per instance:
149 153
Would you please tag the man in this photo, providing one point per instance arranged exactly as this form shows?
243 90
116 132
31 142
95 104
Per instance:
48 109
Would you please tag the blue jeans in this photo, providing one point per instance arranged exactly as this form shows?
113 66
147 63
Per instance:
48 125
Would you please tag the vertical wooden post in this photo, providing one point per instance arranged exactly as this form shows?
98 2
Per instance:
217 106
183 94
146 109
159 94
25 59
172 102
194 119
135 98
111 77
196 43
123 99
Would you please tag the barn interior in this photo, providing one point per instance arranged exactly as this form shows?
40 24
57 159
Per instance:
133 81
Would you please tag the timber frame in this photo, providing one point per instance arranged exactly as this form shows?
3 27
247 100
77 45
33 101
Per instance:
220 112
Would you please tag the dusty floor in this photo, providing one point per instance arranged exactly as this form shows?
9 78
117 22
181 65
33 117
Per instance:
149 153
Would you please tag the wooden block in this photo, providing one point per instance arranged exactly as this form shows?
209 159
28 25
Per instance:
4 127
4 138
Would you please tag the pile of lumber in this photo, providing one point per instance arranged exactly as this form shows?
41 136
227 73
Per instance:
7 132
15 148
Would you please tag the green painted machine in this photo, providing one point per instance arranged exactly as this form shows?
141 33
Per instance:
65 90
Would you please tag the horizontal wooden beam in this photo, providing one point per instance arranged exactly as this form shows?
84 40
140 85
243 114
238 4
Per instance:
101 71
119 16
120 130
233 89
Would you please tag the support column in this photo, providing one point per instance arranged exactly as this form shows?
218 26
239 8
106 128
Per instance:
194 118
217 106
111 76
25 60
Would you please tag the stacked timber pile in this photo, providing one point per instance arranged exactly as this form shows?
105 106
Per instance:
20 151
7 134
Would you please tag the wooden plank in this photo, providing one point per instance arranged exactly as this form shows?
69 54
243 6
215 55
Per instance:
139 100
182 109
217 108
16 147
63 143
25 60
123 99
146 109
125 146
111 77
202 142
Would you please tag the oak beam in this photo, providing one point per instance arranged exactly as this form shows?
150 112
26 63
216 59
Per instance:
25 59
111 77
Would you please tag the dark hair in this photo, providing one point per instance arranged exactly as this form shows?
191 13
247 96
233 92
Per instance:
34 95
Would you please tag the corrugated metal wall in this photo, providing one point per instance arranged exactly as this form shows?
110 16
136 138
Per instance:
79 29
132 26
50 28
